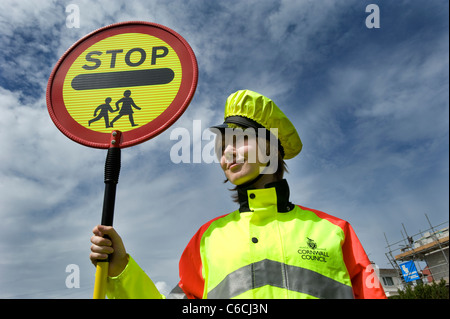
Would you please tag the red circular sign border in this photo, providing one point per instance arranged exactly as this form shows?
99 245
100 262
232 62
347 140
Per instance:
80 134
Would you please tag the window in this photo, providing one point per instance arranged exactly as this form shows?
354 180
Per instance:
387 281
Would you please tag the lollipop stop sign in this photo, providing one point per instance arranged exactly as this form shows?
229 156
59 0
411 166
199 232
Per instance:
119 86
135 77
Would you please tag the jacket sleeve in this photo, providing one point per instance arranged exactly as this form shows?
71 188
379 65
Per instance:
365 282
192 280
190 268
132 283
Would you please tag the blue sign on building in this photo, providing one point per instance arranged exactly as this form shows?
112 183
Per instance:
409 271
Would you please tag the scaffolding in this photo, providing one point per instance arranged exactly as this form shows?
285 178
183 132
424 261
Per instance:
428 250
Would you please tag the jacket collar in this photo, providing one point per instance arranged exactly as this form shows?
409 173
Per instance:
281 199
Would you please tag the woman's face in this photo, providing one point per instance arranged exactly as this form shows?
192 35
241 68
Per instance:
240 159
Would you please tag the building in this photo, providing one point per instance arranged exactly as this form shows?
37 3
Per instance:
432 248
391 281
421 257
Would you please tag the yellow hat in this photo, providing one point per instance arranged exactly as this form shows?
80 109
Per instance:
251 109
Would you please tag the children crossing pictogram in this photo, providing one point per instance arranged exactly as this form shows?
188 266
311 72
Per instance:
127 108
104 112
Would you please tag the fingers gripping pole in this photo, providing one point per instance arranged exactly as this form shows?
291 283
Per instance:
112 171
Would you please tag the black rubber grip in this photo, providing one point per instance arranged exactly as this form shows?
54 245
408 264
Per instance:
112 165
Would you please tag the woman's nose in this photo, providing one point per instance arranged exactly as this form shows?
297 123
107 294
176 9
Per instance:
229 154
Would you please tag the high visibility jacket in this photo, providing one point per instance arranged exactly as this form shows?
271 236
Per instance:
269 248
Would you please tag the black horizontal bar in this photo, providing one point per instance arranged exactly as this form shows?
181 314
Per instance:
107 80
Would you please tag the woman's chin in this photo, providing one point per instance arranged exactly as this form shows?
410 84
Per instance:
238 180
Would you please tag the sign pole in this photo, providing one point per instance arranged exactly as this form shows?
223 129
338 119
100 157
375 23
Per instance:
112 171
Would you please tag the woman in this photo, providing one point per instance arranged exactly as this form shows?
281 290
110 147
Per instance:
269 247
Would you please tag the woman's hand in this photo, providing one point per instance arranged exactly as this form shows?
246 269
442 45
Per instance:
106 241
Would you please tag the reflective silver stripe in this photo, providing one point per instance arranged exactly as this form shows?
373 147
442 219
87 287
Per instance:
274 273
177 293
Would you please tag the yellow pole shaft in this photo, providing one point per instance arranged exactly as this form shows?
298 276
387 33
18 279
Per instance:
101 275
112 170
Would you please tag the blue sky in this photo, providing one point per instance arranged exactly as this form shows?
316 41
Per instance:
371 107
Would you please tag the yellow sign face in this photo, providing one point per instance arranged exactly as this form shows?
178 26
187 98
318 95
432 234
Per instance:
122 82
